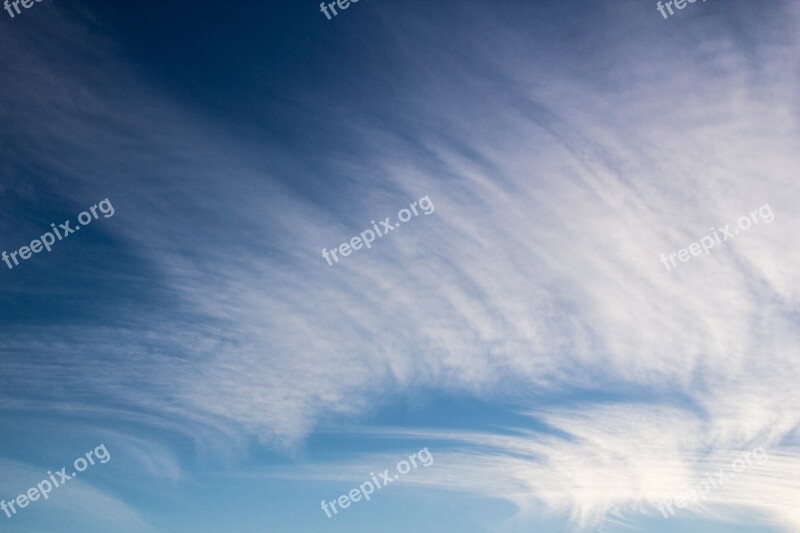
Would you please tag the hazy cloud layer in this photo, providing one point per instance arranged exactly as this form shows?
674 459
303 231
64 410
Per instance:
557 185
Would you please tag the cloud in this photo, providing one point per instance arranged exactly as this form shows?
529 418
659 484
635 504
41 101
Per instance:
555 194
604 464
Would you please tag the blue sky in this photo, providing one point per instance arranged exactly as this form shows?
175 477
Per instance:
525 332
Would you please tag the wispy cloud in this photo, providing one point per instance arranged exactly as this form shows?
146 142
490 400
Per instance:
557 185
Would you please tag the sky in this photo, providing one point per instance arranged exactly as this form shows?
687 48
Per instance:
540 333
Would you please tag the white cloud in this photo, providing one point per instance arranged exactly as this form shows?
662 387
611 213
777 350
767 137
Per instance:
539 269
